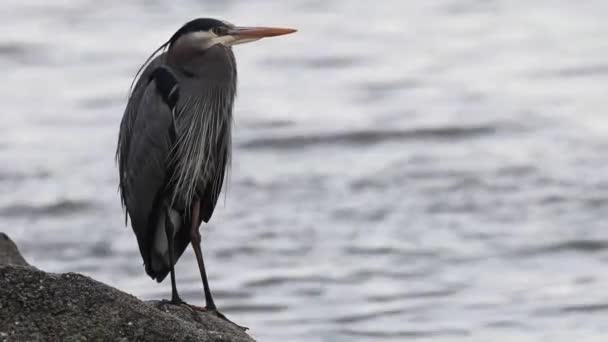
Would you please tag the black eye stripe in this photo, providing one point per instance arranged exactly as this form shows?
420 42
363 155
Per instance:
201 24
219 30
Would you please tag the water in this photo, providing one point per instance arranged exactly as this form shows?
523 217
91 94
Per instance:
403 170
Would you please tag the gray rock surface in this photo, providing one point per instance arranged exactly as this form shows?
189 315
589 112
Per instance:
40 306
9 253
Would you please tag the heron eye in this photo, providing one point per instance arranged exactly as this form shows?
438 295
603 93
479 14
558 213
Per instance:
220 31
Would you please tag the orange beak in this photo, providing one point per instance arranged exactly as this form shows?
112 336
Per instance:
260 32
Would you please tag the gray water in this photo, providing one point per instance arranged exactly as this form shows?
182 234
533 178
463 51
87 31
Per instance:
404 170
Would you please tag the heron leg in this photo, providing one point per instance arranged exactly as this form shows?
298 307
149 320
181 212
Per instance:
195 237
175 299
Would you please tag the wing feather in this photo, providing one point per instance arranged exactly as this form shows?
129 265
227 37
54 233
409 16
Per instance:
143 161
127 124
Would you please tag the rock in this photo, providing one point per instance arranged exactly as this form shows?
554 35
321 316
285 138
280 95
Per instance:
9 253
40 306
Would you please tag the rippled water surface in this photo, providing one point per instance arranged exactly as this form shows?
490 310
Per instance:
404 170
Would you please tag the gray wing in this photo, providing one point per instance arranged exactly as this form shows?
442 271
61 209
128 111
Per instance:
144 147
127 124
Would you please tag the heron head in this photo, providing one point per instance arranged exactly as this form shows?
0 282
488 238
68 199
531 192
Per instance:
204 33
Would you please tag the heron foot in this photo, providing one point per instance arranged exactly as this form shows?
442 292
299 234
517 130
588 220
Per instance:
194 308
222 316
162 305
216 312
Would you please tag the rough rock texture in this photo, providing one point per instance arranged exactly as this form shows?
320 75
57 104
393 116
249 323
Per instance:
9 253
40 306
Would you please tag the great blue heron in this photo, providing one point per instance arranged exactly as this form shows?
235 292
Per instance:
175 140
